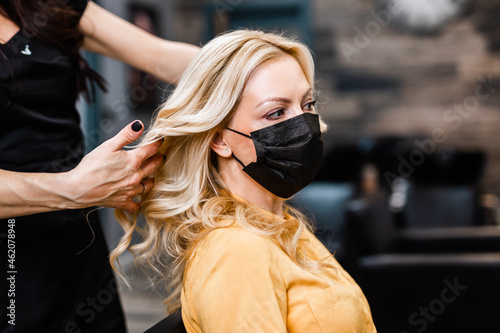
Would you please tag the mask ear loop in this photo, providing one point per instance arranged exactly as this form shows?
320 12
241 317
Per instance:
235 131
232 154
238 160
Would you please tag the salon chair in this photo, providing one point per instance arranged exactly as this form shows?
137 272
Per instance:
324 200
171 324
406 273
370 229
441 293
441 206
324 204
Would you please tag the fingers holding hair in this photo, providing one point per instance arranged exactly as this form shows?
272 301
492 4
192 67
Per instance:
130 206
126 136
144 186
147 151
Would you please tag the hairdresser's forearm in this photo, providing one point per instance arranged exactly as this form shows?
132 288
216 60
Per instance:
108 177
30 193
170 59
110 35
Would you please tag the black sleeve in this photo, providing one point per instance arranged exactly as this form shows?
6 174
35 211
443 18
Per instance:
77 5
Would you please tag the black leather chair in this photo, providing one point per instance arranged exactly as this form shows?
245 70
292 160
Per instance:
325 204
476 239
171 324
441 206
433 293
408 274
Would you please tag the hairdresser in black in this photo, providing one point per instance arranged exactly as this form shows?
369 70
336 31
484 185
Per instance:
55 275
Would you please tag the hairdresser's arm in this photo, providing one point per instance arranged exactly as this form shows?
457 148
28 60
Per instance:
108 177
109 35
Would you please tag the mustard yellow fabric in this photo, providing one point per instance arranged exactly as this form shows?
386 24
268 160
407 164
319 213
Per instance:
238 281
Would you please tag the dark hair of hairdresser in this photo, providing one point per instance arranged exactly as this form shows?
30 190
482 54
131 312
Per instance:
61 29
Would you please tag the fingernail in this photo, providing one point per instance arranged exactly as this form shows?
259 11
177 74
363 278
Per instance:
137 126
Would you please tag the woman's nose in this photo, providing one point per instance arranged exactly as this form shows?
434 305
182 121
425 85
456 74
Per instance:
296 110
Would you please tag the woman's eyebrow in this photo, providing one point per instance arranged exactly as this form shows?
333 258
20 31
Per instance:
273 99
280 99
307 93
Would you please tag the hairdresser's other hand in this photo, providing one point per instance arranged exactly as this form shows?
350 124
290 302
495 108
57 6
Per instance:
110 177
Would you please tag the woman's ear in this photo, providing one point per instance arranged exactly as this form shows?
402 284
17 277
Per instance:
219 145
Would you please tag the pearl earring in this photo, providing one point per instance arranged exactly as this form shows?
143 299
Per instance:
226 151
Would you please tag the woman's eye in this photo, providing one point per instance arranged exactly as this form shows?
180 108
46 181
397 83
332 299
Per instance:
310 105
275 114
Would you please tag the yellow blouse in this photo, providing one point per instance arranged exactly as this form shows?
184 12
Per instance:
238 281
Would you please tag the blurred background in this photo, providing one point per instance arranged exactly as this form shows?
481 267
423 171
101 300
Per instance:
407 199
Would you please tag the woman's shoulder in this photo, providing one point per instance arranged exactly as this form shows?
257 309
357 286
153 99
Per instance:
229 248
235 239
236 232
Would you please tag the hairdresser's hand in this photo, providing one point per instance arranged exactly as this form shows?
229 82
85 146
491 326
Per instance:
110 177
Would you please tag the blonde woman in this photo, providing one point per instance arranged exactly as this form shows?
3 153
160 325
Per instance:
241 135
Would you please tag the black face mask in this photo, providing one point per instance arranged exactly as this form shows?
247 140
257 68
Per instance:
289 154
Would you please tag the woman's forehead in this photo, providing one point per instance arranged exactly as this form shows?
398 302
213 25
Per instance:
277 78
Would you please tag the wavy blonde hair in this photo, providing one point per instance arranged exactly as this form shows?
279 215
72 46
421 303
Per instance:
189 199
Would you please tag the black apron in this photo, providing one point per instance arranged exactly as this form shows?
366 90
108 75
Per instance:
62 278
